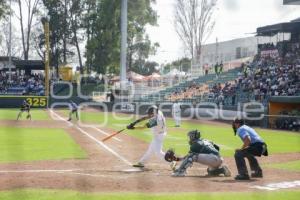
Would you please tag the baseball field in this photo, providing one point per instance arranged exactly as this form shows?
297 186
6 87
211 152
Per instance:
52 158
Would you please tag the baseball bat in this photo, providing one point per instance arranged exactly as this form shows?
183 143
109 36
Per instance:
112 135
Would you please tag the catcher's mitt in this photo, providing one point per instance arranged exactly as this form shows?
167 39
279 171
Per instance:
170 156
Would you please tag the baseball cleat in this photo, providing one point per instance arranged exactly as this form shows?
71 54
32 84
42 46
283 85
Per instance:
242 177
178 173
226 171
139 164
257 174
173 165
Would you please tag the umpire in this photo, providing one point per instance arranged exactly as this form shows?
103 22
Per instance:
253 145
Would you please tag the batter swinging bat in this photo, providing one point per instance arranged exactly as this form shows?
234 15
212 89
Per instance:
133 124
112 135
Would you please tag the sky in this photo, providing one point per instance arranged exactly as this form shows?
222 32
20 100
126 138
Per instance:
234 19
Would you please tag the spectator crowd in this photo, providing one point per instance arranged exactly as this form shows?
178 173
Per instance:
22 84
273 76
190 92
274 72
289 120
266 76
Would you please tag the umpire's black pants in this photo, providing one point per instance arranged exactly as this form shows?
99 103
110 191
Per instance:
250 152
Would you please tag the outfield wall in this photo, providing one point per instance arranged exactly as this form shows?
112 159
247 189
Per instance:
189 111
16 101
204 112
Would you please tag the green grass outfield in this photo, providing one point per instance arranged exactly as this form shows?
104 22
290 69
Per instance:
70 195
11 114
32 144
278 141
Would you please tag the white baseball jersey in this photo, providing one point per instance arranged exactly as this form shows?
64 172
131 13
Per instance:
158 126
159 121
176 108
177 113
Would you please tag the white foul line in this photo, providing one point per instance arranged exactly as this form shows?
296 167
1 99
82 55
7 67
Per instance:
58 171
97 141
83 174
40 170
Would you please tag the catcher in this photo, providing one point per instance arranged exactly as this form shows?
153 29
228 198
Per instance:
201 151
25 107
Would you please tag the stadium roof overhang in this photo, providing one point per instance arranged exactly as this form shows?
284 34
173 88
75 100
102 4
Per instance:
284 99
29 64
287 27
6 58
291 2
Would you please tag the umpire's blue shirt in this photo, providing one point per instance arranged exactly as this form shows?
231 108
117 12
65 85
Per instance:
245 130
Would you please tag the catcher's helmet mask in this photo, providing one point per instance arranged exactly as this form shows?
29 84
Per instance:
194 135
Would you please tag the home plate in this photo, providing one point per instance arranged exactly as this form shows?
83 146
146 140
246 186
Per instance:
132 170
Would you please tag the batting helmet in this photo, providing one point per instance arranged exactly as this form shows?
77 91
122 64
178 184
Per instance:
194 135
151 110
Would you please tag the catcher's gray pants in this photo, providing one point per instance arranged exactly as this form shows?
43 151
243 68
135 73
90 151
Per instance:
210 160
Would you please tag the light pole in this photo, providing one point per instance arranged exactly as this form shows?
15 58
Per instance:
45 22
9 47
123 42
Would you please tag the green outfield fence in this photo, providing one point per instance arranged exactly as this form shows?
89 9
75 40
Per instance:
16 101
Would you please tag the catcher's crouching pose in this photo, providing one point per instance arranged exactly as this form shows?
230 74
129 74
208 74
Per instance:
201 151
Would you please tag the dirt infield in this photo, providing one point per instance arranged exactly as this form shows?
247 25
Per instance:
108 169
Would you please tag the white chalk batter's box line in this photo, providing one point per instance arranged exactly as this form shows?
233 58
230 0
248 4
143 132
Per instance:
278 186
76 172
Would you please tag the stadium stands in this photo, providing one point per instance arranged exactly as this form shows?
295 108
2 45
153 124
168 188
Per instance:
192 90
22 84
274 72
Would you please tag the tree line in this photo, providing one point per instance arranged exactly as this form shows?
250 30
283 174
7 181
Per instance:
87 32
83 30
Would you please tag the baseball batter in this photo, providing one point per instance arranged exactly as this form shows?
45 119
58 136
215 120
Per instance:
73 109
201 151
25 107
176 111
157 123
